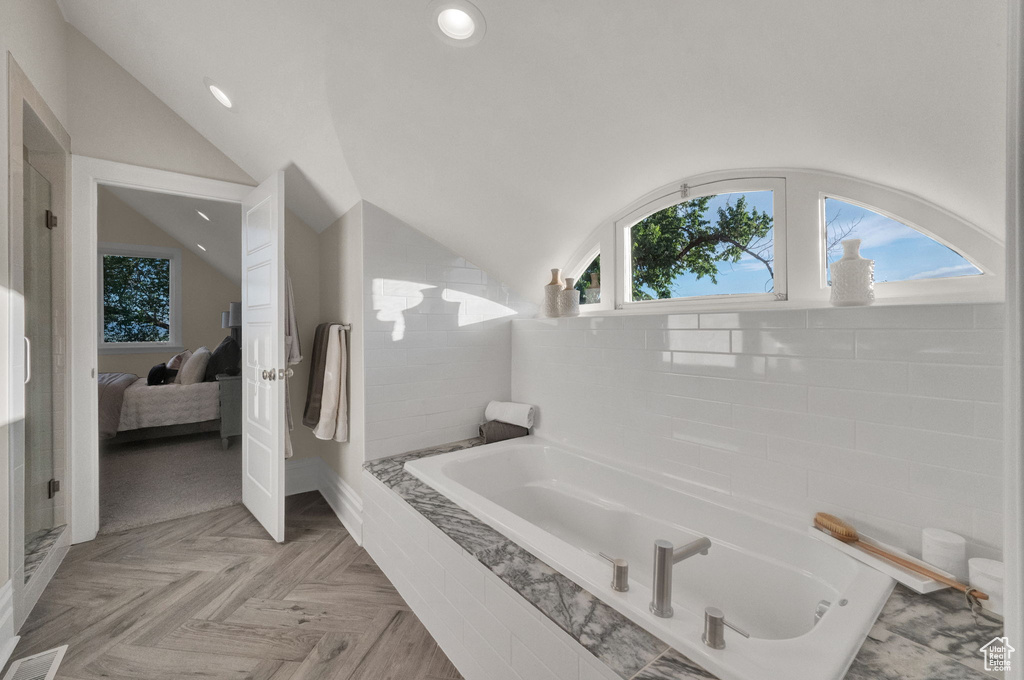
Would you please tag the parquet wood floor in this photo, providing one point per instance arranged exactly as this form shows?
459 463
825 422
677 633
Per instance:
211 596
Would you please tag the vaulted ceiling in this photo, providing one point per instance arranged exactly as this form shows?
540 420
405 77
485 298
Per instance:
216 240
512 151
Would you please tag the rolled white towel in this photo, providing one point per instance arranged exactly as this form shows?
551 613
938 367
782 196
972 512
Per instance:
510 412
945 550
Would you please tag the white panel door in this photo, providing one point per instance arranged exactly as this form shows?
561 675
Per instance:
263 358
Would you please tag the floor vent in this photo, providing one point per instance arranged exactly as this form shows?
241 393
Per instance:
42 666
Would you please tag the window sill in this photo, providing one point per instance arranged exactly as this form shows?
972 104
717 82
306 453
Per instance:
707 306
126 348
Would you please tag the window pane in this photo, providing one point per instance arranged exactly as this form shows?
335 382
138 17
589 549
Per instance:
136 299
712 245
901 253
589 283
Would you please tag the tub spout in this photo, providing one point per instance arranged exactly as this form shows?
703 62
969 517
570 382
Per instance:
665 557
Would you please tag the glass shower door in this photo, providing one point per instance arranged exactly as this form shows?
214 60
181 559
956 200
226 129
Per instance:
39 463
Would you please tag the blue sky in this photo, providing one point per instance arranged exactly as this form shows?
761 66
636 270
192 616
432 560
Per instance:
899 252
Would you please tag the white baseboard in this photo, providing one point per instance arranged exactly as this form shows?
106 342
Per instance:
313 474
8 640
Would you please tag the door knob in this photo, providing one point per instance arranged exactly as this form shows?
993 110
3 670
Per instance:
283 373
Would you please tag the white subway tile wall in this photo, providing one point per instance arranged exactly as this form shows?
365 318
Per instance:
888 416
437 337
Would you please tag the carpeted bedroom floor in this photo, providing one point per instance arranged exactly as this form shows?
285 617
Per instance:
152 481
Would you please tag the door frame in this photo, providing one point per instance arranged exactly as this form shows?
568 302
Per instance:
87 174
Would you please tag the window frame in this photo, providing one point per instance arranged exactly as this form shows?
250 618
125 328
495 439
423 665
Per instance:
799 245
174 342
687 192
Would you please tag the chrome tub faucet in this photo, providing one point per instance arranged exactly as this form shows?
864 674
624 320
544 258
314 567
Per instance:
665 557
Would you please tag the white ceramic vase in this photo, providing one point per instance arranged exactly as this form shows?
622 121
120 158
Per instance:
853 277
552 294
592 295
569 299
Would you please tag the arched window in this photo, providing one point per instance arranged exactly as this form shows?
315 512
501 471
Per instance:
765 238
901 253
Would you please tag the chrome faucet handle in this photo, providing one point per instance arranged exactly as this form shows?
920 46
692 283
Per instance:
620 572
714 628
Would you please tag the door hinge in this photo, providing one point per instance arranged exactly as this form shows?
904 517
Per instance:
52 488
51 220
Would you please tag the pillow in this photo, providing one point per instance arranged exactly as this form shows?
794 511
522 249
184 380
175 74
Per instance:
157 375
195 368
178 360
227 358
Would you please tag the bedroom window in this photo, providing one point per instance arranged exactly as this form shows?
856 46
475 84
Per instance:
723 239
140 299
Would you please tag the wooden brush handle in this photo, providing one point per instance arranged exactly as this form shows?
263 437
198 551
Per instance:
912 566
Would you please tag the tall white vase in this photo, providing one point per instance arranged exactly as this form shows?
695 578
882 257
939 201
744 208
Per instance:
853 277
552 294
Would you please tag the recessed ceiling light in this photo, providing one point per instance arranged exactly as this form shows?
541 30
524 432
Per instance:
201 247
203 215
218 94
457 22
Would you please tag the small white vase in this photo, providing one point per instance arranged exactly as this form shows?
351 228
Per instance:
592 295
552 294
853 277
569 299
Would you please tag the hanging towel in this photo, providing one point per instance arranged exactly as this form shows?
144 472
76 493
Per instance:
293 355
315 388
510 412
333 423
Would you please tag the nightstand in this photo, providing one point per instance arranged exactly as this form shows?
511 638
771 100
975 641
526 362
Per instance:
230 407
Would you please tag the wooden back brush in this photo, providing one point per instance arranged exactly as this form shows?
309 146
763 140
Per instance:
840 530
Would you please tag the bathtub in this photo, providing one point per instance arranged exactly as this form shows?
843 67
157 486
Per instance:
767 575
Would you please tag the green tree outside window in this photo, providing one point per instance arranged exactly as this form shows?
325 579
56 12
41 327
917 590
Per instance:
136 299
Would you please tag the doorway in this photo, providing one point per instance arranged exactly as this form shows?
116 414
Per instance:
169 356
262 318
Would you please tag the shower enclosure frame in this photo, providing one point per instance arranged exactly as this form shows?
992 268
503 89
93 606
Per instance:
33 126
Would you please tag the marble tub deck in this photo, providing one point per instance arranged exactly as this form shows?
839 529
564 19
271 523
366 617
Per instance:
916 637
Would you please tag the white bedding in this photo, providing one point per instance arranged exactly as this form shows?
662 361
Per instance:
174 404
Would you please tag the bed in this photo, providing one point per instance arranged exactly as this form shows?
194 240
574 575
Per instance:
144 411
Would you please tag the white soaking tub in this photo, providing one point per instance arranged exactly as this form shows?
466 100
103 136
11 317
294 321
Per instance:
767 576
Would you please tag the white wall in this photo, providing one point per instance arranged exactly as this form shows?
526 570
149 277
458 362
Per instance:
437 339
114 117
341 301
301 247
889 416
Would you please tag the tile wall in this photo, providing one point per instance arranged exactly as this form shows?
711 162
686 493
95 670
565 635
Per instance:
437 338
888 416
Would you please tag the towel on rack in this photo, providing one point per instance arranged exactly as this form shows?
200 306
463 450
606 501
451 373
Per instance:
315 387
333 422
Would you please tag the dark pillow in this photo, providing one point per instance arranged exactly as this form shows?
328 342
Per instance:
157 375
227 358
172 373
